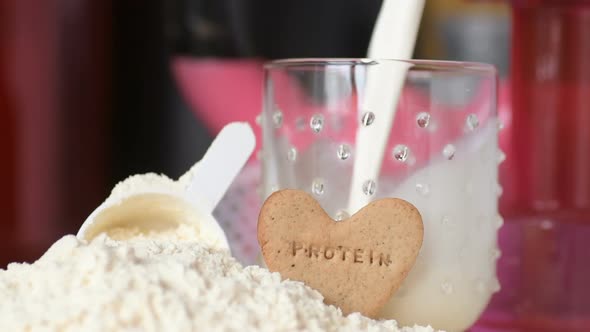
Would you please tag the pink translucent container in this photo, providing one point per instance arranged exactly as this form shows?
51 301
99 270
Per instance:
544 270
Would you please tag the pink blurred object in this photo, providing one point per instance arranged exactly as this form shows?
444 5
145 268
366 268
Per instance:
545 241
221 91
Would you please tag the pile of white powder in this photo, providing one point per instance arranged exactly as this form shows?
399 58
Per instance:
158 284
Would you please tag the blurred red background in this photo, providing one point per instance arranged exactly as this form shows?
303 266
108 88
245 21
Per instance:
54 70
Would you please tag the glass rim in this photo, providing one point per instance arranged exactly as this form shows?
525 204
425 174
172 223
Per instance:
419 64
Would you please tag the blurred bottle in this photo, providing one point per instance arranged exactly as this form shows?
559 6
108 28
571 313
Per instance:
545 241
461 30
52 120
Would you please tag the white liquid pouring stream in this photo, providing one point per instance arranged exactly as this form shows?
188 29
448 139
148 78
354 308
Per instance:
394 37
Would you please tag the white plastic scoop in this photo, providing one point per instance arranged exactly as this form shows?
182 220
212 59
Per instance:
154 203
394 37
223 161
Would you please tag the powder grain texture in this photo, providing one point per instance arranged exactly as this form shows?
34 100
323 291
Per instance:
156 284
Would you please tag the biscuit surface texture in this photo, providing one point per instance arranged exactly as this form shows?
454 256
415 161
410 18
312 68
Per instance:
356 264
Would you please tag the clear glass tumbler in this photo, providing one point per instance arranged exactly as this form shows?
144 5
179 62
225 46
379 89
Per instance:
349 131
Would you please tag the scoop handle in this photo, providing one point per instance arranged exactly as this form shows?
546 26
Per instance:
222 162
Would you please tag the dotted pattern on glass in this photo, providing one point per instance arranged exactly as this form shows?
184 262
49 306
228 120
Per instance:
546 225
423 119
369 187
480 286
446 287
495 253
423 189
258 119
449 151
368 118
499 190
420 259
341 215
471 122
318 187
277 119
498 221
501 156
292 154
343 151
316 123
448 222
495 286
401 152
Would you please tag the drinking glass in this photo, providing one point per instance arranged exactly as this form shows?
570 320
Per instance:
349 131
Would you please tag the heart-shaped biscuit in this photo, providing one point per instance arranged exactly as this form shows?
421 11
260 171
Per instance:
356 264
